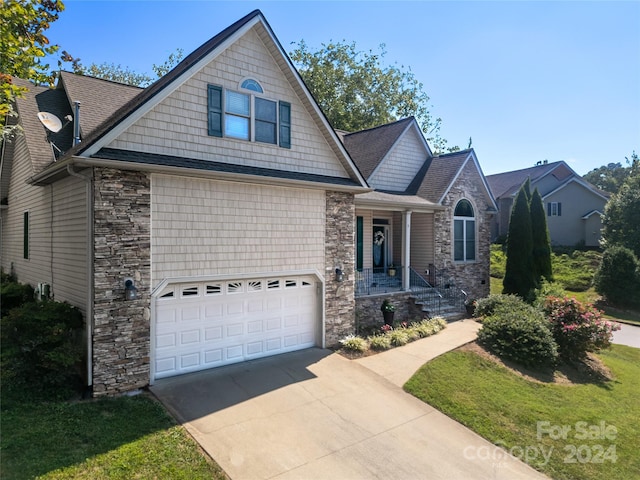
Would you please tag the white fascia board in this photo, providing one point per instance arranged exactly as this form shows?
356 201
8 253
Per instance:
580 182
143 109
413 124
320 114
455 178
474 159
484 180
592 212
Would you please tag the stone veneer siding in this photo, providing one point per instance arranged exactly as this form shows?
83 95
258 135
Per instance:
472 277
368 312
339 252
122 248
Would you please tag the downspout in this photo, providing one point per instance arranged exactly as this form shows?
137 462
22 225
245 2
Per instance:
89 269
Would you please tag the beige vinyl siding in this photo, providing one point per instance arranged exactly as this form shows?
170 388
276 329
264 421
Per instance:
202 227
422 250
178 125
70 229
57 233
577 201
401 165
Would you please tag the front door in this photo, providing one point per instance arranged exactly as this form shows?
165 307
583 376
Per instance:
380 247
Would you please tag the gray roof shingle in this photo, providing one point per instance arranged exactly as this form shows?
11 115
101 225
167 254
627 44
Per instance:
368 147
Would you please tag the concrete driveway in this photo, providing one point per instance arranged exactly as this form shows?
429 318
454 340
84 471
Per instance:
627 335
314 414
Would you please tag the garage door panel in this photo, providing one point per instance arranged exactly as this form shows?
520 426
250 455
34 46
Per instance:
190 337
165 340
255 326
213 333
235 329
210 324
213 356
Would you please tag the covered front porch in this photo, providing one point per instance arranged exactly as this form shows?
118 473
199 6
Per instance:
395 252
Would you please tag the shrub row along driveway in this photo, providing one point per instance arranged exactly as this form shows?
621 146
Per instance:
314 414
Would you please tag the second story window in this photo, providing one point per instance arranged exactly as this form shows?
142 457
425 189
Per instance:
247 116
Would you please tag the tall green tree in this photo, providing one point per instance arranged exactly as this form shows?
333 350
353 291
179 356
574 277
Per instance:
23 47
621 222
519 277
357 91
541 241
608 177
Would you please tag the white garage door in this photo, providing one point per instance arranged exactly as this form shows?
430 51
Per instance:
210 324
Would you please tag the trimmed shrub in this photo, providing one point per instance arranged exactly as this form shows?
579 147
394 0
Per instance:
354 344
488 306
618 278
14 294
398 337
380 342
41 344
523 338
548 289
577 328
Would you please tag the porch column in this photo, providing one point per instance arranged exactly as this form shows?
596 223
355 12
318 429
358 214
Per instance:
406 249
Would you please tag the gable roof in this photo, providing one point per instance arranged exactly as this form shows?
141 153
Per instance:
101 131
508 183
369 147
99 99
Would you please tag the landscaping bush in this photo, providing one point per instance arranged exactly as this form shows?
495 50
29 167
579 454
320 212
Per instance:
13 294
618 277
522 337
41 344
398 337
577 328
380 342
548 289
488 306
354 343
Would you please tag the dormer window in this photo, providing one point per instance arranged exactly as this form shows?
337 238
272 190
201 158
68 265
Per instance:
247 116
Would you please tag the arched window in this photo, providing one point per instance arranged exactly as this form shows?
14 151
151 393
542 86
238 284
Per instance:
464 232
251 84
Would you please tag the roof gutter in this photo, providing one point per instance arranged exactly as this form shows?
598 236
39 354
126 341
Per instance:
60 169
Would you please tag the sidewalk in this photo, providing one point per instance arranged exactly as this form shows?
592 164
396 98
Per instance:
399 364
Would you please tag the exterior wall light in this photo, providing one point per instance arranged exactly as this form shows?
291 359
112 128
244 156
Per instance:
339 275
130 290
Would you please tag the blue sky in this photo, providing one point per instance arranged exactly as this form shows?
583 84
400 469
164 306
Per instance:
528 81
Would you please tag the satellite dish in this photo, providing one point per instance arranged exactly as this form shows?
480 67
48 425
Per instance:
50 121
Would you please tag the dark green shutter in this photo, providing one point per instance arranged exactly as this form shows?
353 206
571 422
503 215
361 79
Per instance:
359 243
285 125
25 235
215 110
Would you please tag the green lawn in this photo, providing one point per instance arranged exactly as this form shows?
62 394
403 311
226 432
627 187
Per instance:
523 415
116 438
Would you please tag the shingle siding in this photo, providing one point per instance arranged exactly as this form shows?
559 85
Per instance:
206 227
178 125
401 165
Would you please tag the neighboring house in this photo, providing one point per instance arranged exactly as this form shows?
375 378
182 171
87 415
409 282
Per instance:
574 206
216 217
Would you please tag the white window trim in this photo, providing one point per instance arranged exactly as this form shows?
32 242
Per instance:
252 115
465 220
